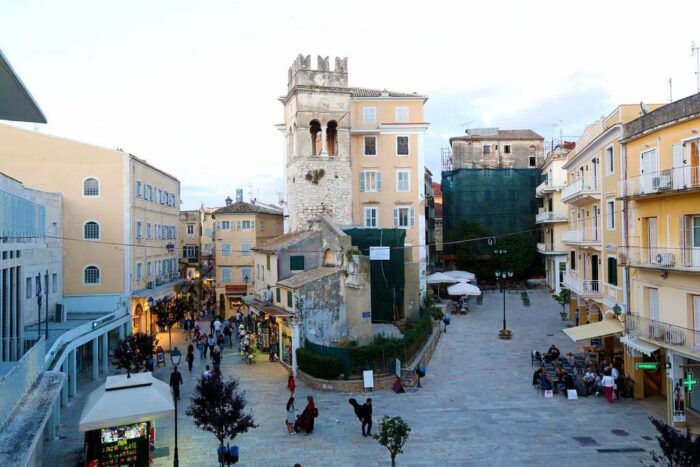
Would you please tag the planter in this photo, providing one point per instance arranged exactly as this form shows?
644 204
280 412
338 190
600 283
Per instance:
564 315
505 334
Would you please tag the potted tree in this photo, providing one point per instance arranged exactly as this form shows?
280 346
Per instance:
393 434
563 298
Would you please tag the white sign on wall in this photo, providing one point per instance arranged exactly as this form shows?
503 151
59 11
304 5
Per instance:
368 379
379 253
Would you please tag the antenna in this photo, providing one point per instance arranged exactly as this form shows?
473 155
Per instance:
466 126
670 90
695 51
645 109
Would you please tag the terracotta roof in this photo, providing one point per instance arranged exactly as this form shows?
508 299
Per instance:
241 207
302 278
501 135
285 240
270 309
366 92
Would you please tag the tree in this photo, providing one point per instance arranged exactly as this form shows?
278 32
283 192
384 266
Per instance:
522 256
168 313
218 407
563 298
393 434
431 307
679 449
471 256
132 351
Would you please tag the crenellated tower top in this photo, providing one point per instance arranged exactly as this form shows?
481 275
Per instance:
302 74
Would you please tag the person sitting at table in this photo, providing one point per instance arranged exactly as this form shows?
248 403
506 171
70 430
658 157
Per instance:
568 382
589 380
553 353
536 376
545 383
598 383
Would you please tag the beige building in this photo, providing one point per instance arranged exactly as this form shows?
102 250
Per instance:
495 148
120 218
239 227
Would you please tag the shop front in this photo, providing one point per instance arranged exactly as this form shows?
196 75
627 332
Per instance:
273 328
233 299
142 319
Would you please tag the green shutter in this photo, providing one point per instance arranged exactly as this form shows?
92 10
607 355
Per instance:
296 263
278 295
289 297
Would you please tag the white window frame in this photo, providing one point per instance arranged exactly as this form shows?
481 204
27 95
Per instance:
366 211
410 217
365 113
408 144
397 115
99 230
376 145
609 151
99 275
190 230
190 251
225 225
226 249
139 189
139 234
399 172
364 182
224 270
54 282
28 287
246 272
148 230
149 268
247 225
245 248
99 187
139 271
610 214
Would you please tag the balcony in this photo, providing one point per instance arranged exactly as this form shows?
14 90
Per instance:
547 248
583 236
673 259
549 186
546 217
677 180
583 288
581 191
663 333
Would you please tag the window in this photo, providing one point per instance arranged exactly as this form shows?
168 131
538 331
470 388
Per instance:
149 269
91 187
91 231
139 271
612 270
226 249
404 217
245 249
148 230
159 196
611 215
245 275
296 263
278 295
190 230
28 288
247 225
487 149
402 145
572 260
207 233
148 192
506 149
289 299
138 230
372 217
226 274
403 180
370 181
54 283
369 115
262 226
370 146
532 161
225 225
139 193
91 275
402 114
190 251
267 261
609 161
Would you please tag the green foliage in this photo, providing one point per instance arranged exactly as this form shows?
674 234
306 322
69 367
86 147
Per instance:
317 365
393 434
679 449
563 298
522 254
132 351
430 305
473 256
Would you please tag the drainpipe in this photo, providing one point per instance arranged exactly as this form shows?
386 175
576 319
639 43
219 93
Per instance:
625 243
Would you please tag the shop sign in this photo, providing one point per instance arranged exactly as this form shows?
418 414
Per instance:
689 382
650 366
236 288
379 253
366 314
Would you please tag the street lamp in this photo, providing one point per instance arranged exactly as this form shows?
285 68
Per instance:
617 310
501 276
175 357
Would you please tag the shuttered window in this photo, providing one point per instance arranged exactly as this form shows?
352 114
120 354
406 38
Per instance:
612 270
296 263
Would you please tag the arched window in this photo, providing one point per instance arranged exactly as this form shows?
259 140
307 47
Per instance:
91 187
91 231
91 275
329 258
315 131
332 138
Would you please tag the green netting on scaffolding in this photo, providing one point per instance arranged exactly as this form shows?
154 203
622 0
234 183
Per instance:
502 200
387 277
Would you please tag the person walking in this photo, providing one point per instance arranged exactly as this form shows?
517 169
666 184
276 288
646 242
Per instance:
367 417
204 345
216 357
217 327
175 382
291 416
309 414
227 335
608 385
211 342
190 357
359 412
291 385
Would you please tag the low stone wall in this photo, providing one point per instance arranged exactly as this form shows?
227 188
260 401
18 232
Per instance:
380 382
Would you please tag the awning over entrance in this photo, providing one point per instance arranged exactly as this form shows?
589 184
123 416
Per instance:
638 345
599 329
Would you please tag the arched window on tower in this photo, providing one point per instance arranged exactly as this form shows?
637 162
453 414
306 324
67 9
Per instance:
332 138
315 130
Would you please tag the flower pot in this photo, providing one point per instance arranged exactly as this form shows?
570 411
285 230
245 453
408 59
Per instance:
564 316
505 334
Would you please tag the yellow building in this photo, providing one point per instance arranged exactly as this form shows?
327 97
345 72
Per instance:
197 249
661 187
238 228
120 220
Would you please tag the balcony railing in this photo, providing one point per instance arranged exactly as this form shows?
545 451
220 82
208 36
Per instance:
583 288
672 180
548 186
583 235
678 259
664 333
546 247
590 185
551 216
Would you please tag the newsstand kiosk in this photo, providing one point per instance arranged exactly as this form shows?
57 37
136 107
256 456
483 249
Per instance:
118 420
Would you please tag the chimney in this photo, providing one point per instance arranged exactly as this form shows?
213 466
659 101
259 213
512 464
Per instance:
228 201
239 195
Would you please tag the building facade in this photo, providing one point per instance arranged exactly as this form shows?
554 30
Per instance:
495 148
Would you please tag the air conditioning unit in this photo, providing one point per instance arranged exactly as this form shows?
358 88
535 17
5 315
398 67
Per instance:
665 259
149 285
662 182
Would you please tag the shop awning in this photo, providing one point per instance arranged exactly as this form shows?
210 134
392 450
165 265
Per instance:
248 299
606 327
123 400
638 345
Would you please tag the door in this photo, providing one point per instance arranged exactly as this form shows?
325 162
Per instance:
694 163
652 241
649 169
594 273
551 239
594 182
695 240
594 233
681 169
696 317
549 204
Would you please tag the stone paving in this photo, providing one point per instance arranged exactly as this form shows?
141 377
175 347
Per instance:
476 407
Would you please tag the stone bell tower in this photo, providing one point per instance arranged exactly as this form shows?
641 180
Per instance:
317 130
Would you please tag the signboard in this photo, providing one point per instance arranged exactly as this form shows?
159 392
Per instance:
653 366
368 379
366 314
398 368
548 393
235 288
379 253
571 394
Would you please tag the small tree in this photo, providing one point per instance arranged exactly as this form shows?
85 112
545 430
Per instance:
217 407
431 307
679 449
168 313
132 351
563 298
393 434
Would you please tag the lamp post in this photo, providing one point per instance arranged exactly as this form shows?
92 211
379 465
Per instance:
501 276
175 357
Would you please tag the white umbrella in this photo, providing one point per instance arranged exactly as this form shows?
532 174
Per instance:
463 289
440 278
461 275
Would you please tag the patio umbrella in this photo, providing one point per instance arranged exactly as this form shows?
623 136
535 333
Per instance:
461 275
463 289
440 278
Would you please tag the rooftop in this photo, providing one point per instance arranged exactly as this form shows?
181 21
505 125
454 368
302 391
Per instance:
242 207
302 278
285 240
476 134
16 102
437 189
367 92
682 109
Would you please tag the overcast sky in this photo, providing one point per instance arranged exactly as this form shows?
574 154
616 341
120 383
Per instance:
192 87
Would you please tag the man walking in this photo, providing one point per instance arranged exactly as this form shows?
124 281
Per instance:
367 417
175 382
217 327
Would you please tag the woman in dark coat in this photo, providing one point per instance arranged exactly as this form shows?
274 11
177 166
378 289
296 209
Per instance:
309 414
358 409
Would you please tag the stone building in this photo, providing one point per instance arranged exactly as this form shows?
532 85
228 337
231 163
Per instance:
497 149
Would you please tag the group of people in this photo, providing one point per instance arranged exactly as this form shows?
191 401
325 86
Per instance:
605 378
304 422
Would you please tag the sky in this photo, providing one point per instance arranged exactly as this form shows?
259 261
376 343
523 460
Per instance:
192 87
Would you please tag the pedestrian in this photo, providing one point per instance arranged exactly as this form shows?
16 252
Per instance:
188 329
216 356
291 385
204 345
220 341
608 385
367 417
308 415
207 372
211 342
190 357
291 416
175 382
359 413
217 327
273 352
227 335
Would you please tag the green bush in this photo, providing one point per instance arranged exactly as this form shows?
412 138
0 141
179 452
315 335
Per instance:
317 365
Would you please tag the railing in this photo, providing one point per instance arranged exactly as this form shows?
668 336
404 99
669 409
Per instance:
580 186
546 247
549 185
680 259
583 235
15 383
664 181
551 216
583 288
13 348
663 333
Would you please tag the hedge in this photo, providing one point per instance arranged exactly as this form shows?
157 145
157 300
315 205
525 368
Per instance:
319 366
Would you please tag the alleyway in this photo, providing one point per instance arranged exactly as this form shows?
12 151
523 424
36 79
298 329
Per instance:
476 407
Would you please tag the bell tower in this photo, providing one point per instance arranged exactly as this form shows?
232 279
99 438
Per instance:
317 131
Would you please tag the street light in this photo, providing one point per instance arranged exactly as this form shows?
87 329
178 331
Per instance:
501 276
617 310
175 357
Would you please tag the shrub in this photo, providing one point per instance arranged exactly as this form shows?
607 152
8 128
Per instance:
317 365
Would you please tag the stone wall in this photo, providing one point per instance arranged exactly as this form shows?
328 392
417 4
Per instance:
325 314
309 248
358 295
470 154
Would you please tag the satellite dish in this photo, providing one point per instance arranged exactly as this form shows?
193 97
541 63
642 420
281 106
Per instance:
645 108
